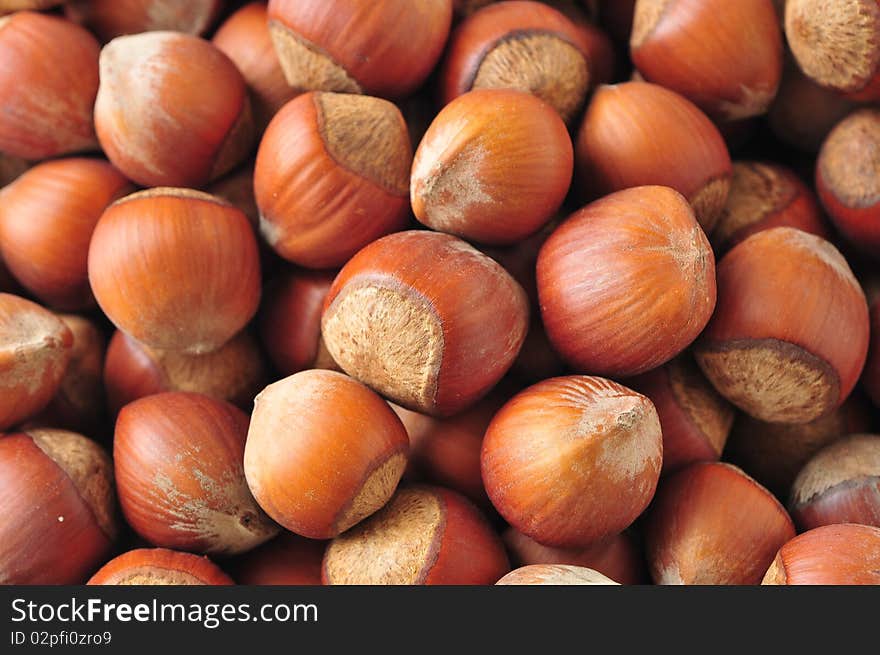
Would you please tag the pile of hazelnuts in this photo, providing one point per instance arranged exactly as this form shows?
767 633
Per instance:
439 292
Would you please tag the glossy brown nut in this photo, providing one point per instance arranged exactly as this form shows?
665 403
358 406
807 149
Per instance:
47 217
694 418
711 524
847 554
235 372
331 176
573 460
493 167
286 560
764 196
555 574
774 453
290 321
696 48
627 282
161 132
35 349
323 452
48 83
426 320
423 536
359 46
840 484
159 566
58 486
846 179
620 557
179 474
521 45
175 269
773 346
112 18
635 133
244 38
836 44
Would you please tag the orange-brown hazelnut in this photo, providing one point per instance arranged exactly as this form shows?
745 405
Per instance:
159 566
835 43
695 419
840 484
244 38
555 574
323 452
172 110
359 46
847 554
711 524
572 460
521 45
627 282
620 557
423 536
47 217
773 347
111 18
331 176
636 133
179 474
763 196
48 82
290 321
426 320
493 167
59 487
848 179
774 453
175 269
288 559
724 56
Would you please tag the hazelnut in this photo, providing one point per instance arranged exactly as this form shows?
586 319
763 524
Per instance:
175 269
494 167
331 176
711 524
48 82
178 459
572 460
627 282
697 49
323 452
840 484
426 320
172 110
59 487
159 566
637 133
47 217
773 346
359 46
423 536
